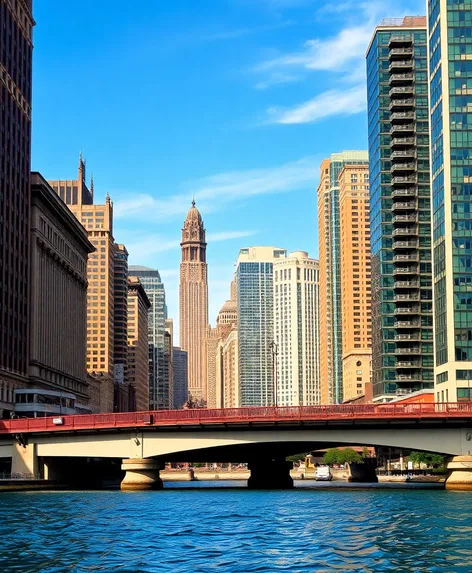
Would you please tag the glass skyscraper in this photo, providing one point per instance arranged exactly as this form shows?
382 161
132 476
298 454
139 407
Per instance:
450 68
400 212
257 356
159 382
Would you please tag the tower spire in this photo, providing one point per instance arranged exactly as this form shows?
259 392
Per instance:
193 201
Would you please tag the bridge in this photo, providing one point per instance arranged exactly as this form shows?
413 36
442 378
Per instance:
142 442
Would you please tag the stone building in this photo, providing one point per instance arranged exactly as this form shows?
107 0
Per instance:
194 302
59 248
138 352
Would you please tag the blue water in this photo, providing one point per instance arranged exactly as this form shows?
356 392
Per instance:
236 531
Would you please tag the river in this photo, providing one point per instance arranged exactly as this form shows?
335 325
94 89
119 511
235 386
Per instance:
233 530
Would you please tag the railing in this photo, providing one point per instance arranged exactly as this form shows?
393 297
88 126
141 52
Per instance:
233 415
18 476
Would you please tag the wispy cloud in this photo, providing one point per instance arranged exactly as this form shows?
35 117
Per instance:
342 55
332 102
242 32
217 191
145 246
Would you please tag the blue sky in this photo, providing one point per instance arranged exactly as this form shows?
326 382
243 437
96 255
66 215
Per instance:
233 101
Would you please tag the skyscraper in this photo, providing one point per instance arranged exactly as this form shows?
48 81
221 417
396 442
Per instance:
180 377
255 284
159 383
296 330
98 220
355 279
194 302
331 346
450 59
16 49
400 213
120 318
138 348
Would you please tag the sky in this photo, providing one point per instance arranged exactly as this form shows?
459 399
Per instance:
234 102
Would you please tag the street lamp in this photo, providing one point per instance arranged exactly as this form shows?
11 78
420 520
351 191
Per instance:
274 348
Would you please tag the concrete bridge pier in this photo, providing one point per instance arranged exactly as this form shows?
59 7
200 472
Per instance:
460 473
270 474
141 474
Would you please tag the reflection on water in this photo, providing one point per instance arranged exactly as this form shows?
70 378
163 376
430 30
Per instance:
235 530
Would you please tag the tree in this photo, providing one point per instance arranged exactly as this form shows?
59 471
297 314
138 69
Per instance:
345 456
429 460
365 452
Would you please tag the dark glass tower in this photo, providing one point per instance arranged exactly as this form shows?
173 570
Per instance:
402 320
16 48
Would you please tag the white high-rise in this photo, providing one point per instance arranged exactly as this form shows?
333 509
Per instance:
296 330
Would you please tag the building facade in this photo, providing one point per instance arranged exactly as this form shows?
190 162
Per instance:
120 319
255 286
59 248
98 220
450 55
296 330
230 369
138 349
400 213
194 302
15 163
180 377
355 279
169 361
329 225
159 384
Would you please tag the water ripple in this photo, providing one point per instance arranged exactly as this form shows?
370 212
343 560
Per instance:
236 531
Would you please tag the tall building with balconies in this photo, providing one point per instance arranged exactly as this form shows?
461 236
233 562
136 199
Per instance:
16 52
120 362
400 211
179 357
331 331
296 330
255 284
450 69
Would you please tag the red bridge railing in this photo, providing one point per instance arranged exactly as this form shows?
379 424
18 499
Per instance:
236 415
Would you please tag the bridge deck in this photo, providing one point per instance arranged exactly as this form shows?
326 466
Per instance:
229 416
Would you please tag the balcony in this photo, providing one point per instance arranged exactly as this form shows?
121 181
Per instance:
401 78
406 284
400 66
409 336
401 91
413 257
407 324
405 245
409 270
403 167
402 142
398 105
400 41
408 378
408 364
412 218
402 128
401 53
404 205
408 350
404 180
404 310
407 297
403 154
405 232
402 116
